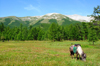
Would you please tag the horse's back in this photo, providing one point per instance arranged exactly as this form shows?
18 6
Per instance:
79 50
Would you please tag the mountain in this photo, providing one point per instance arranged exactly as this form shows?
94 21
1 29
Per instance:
80 18
35 21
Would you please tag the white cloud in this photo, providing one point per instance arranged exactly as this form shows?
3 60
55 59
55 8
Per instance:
30 7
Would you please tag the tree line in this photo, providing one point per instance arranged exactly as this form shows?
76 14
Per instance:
55 32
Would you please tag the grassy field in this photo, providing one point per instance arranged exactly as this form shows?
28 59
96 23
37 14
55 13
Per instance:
46 53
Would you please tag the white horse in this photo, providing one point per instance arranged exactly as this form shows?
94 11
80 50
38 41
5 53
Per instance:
78 52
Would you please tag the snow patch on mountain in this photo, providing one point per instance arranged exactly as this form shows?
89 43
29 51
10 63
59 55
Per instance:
80 18
49 14
37 16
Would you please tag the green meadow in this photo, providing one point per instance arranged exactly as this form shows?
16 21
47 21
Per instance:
46 53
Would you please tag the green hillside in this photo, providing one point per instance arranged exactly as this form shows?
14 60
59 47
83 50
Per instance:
13 21
43 21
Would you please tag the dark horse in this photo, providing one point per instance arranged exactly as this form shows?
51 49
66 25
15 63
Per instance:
79 52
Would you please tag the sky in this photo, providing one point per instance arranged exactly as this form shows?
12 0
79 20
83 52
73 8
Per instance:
22 8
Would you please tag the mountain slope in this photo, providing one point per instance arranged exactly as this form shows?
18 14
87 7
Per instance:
47 19
80 18
13 21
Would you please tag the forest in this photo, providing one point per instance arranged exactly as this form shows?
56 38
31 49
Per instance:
55 32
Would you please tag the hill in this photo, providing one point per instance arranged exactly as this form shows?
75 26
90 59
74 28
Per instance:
35 21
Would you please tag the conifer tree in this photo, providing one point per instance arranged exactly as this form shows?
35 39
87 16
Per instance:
24 33
84 30
40 35
52 32
66 33
71 32
59 33
92 36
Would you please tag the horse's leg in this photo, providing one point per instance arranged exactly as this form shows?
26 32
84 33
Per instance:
79 57
76 55
72 54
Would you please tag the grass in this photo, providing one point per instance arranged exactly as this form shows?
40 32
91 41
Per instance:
46 53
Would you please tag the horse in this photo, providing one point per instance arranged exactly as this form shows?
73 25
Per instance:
79 52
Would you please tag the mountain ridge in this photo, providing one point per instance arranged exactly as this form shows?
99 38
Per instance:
74 17
38 20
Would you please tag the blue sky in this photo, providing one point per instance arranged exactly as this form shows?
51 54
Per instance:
22 8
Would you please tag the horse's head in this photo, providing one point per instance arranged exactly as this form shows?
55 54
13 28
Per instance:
84 57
